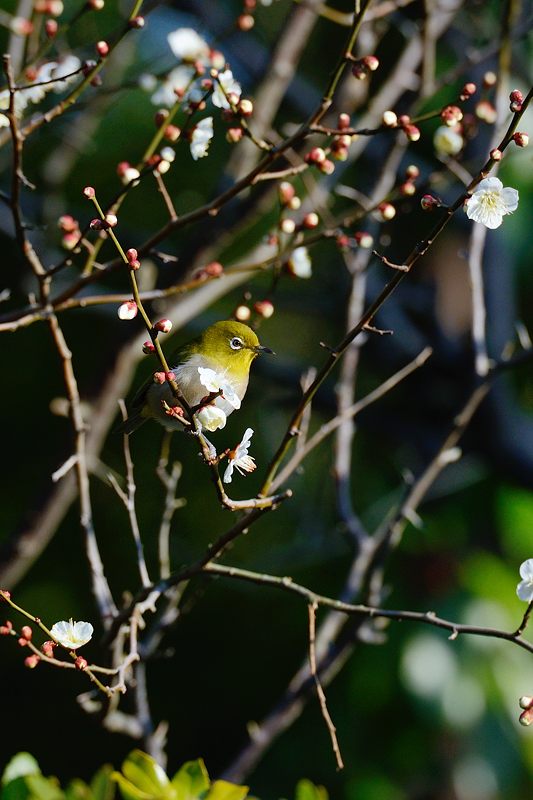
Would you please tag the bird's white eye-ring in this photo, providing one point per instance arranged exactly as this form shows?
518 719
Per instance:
236 343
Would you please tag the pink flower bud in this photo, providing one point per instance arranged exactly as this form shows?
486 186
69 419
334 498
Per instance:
88 66
242 313
264 308
128 310
111 220
386 211
81 663
31 661
515 107
342 241
131 254
468 90
317 155
67 223
286 192
102 48
6 628
404 119
89 192
371 63
21 26
26 632
22 641
489 79
310 220
327 167
160 378
412 172
163 325
496 154
412 132
525 702
95 5
294 203
97 225
50 28
214 269
170 376
526 717
47 648
245 22
407 189
364 240
234 135
148 347
521 139
516 96
172 133
137 22
343 121
70 240
6 594
160 117
429 203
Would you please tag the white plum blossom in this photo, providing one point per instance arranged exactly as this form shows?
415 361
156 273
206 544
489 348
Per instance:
447 142
178 80
215 382
524 590
225 84
188 45
201 138
63 69
20 105
490 202
239 459
211 418
299 264
72 634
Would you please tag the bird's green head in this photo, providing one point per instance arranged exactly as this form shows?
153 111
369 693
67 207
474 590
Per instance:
231 345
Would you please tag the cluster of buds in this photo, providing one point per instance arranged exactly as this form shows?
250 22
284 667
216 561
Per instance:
408 187
362 67
110 221
288 197
163 377
526 717
7 628
241 109
70 231
52 7
133 258
317 157
128 174
341 143
26 634
451 115
516 98
410 130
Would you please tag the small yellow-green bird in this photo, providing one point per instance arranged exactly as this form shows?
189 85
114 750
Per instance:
218 360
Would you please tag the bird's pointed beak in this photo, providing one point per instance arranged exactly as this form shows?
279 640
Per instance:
260 349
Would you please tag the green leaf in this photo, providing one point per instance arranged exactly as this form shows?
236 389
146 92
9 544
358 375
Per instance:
20 765
191 780
128 790
305 790
222 790
102 786
15 790
145 773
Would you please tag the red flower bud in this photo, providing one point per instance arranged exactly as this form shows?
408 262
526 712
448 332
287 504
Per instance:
286 192
316 156
102 48
386 211
81 663
412 172
343 122
429 203
364 240
163 325
160 378
50 28
214 269
89 192
136 22
31 661
264 308
27 632
6 628
148 347
516 96
47 648
521 139
310 220
327 167
245 22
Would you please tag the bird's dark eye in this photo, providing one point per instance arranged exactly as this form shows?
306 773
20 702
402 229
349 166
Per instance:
236 343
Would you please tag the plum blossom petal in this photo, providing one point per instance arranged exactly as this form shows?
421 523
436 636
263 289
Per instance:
211 418
72 634
215 382
188 45
20 105
201 138
178 80
225 84
239 459
491 202
524 590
